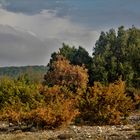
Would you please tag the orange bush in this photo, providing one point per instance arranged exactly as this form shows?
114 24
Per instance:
59 107
54 107
105 104
53 116
62 73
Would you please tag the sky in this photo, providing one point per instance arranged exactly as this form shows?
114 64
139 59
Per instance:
31 30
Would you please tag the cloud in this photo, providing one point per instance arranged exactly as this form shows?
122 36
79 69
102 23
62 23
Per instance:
20 48
99 14
30 30
33 6
30 39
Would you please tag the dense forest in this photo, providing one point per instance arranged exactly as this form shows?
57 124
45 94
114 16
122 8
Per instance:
15 71
76 87
34 73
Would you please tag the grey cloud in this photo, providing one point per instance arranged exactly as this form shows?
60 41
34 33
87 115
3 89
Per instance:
22 48
30 39
30 30
94 13
32 6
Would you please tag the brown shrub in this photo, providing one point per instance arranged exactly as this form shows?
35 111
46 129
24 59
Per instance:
105 105
56 110
53 116
59 108
63 73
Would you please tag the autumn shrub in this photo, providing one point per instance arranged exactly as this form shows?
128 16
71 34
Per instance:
11 115
63 73
52 116
105 104
59 108
56 106
38 105
134 93
17 98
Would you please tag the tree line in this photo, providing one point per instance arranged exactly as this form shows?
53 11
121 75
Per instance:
115 55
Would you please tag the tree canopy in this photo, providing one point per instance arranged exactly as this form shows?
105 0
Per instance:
117 55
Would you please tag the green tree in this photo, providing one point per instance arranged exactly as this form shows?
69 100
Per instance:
103 57
134 54
117 55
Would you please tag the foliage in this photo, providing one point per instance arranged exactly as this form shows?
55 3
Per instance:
117 55
76 56
53 116
67 89
30 104
14 91
59 108
135 95
53 107
64 74
105 104
34 73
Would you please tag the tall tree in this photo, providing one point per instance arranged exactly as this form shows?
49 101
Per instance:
103 57
117 55
134 54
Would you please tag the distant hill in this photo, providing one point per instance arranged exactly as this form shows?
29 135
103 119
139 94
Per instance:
32 71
